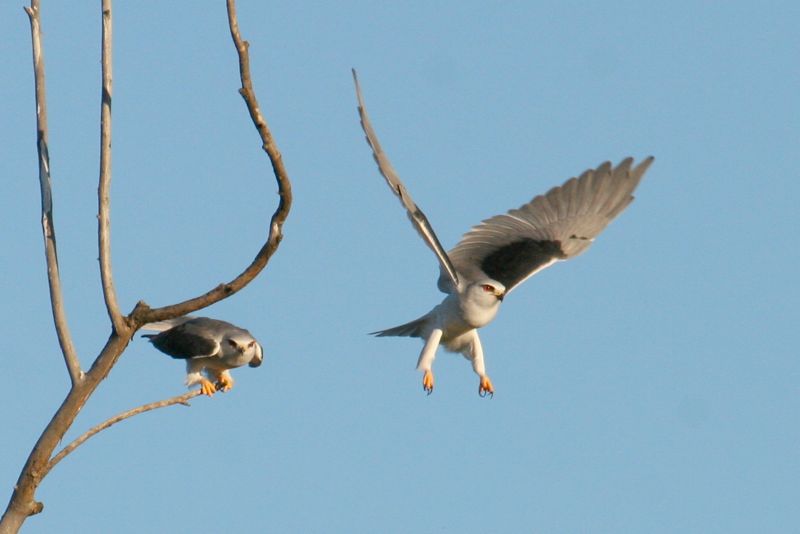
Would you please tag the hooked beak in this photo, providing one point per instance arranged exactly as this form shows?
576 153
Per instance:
258 358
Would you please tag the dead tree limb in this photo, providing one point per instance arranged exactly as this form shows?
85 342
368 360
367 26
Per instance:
143 314
179 399
103 195
41 459
48 227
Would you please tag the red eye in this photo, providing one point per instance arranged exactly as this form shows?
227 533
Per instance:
488 288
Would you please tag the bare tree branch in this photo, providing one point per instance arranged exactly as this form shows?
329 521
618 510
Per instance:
179 399
48 227
40 460
103 200
143 313
22 503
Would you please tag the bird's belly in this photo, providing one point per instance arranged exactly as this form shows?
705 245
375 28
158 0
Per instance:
453 327
476 317
456 328
225 362
458 320
456 340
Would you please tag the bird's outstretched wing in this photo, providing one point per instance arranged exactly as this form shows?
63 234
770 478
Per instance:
418 218
555 226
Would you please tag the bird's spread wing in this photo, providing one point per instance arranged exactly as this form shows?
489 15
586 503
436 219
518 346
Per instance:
555 226
186 341
418 218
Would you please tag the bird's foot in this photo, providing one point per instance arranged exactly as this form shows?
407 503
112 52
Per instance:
427 382
207 387
486 387
225 382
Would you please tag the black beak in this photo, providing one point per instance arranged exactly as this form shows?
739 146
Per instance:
258 358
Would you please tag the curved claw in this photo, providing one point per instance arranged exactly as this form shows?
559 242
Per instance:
427 382
225 382
486 388
207 387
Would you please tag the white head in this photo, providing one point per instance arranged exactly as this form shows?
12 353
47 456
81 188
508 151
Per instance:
486 293
248 349
480 301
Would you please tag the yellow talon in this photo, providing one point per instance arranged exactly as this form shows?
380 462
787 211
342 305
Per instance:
486 387
427 382
225 382
207 388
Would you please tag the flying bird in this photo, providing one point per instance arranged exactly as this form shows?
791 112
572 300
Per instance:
503 251
210 347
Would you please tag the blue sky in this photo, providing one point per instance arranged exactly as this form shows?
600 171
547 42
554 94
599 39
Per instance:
650 385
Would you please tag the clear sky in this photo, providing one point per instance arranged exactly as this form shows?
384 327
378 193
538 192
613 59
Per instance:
650 385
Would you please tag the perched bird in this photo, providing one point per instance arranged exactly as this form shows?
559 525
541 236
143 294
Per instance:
210 347
503 251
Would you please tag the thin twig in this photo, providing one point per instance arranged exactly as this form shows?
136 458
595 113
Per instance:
103 197
143 313
179 399
48 226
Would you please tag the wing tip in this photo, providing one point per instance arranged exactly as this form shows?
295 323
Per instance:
643 165
355 81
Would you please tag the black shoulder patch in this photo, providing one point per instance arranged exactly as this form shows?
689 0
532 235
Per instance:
513 262
179 343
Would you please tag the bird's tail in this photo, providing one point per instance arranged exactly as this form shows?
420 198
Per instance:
412 329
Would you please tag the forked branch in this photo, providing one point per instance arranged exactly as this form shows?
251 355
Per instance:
41 460
143 313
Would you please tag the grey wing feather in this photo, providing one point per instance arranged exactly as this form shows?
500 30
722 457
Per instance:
186 341
558 225
160 326
418 219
